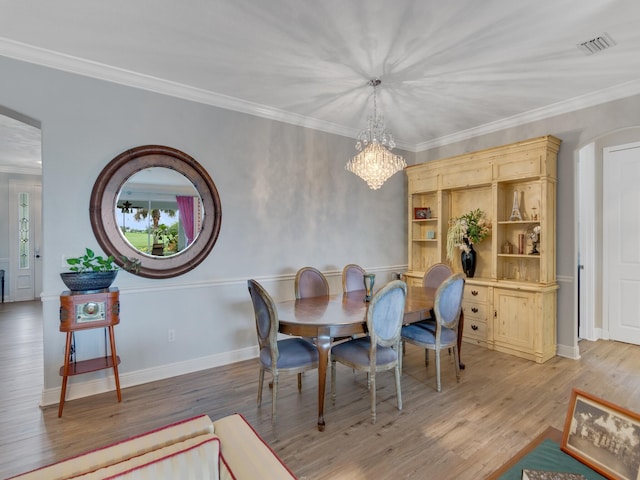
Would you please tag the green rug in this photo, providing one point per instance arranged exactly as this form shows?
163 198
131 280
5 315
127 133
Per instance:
548 456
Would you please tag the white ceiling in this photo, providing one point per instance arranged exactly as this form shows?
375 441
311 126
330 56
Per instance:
449 69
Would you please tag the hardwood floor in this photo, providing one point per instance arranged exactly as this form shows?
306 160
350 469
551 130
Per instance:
465 432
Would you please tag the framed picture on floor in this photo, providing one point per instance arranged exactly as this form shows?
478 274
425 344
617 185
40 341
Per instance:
603 436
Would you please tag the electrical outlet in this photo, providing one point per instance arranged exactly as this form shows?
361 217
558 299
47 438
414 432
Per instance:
171 335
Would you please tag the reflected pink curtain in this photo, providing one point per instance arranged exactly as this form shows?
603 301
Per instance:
185 207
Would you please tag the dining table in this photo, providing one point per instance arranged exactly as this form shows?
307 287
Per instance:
328 317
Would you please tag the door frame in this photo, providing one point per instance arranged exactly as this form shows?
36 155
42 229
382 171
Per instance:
586 256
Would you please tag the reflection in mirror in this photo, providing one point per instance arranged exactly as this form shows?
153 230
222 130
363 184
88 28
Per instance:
160 211
156 177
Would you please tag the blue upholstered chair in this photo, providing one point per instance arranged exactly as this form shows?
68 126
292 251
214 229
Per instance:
310 282
433 278
293 355
379 351
447 307
352 278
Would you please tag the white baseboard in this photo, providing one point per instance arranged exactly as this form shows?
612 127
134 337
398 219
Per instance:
93 387
568 351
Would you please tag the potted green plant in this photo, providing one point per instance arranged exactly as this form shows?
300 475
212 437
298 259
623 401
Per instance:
91 272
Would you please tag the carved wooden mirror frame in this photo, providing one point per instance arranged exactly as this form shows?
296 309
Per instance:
104 197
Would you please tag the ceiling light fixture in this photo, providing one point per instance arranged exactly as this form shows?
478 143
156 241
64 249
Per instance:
375 163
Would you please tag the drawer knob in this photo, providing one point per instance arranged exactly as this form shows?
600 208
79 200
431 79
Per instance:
474 292
474 327
474 309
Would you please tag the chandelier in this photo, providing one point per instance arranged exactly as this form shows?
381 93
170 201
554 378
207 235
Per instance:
375 163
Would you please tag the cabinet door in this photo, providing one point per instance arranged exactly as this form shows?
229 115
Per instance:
514 320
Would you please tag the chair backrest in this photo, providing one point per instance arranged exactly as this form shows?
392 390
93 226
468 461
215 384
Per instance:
436 274
352 278
310 282
266 315
448 301
386 313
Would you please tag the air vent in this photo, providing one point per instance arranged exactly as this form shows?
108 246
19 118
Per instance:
597 44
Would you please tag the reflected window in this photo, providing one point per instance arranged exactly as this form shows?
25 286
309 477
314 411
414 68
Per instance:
159 211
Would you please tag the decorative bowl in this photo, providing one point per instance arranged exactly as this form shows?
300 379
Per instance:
88 282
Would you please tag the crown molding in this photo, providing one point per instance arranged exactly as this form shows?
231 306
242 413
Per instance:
616 92
68 63
21 170
48 58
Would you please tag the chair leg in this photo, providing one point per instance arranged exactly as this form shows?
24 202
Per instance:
260 383
333 381
437 355
456 359
299 382
426 357
274 398
372 395
398 388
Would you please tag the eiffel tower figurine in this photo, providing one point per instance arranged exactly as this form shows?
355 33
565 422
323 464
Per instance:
515 212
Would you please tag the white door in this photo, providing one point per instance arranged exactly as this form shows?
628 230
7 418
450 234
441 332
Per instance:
621 242
25 230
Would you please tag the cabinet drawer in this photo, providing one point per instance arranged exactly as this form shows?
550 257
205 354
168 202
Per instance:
474 293
475 311
475 329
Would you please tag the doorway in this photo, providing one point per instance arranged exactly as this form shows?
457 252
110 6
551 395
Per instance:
20 216
592 257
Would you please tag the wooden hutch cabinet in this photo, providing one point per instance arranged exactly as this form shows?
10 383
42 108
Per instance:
510 304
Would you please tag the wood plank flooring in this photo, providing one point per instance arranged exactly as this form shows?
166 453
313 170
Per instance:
465 432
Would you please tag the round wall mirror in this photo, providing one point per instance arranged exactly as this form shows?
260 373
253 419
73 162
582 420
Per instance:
157 205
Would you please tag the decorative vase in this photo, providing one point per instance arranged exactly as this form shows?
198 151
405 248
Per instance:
468 259
369 279
88 282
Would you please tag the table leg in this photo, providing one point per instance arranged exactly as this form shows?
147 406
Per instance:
114 358
65 373
460 330
323 344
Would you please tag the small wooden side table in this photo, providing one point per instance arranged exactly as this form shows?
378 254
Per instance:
83 311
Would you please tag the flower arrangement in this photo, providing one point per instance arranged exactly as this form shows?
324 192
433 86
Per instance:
470 228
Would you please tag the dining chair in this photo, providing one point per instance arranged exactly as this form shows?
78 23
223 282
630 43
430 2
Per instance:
352 278
447 306
437 273
310 282
379 350
292 355
433 278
